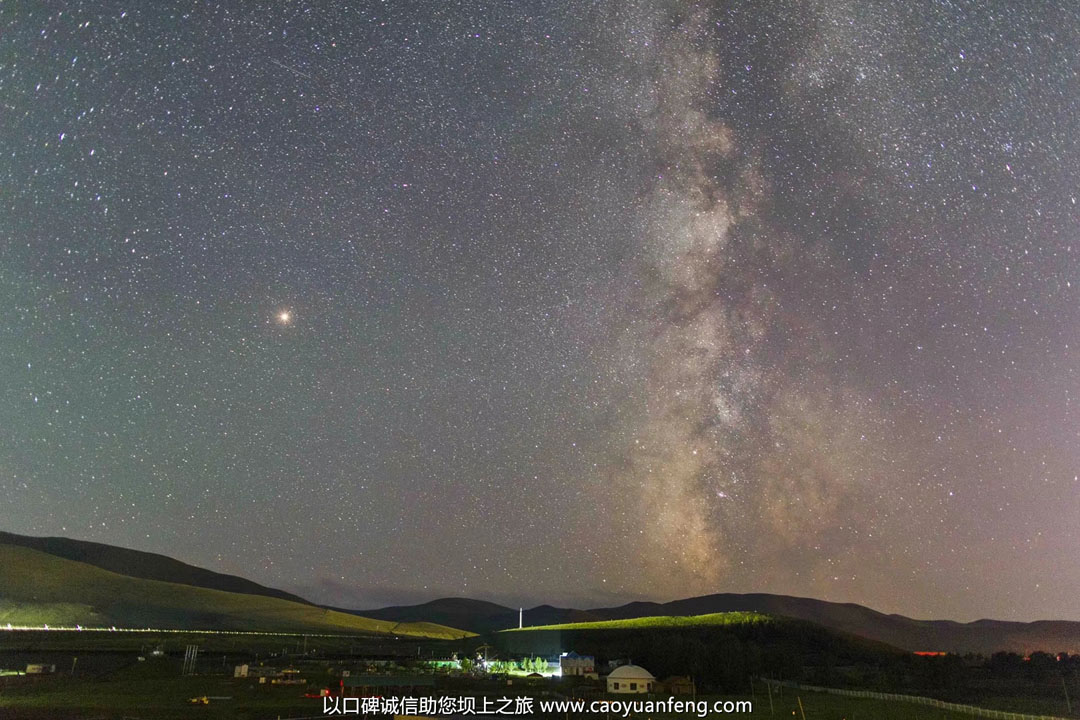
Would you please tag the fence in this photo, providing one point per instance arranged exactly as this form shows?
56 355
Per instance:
919 700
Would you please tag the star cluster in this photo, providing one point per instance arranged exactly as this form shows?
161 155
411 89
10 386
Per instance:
551 302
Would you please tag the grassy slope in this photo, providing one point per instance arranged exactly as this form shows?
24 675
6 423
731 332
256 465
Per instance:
37 588
660 621
984 636
145 565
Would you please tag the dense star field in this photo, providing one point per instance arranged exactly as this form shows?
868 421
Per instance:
551 302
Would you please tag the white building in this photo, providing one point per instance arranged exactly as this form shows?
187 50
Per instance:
630 679
573 664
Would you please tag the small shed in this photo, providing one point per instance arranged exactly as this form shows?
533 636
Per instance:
679 685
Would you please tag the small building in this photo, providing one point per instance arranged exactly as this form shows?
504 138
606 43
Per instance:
255 671
679 685
630 679
573 664
289 676
40 669
269 675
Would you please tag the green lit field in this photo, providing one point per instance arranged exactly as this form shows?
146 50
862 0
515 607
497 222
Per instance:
17 648
661 621
41 589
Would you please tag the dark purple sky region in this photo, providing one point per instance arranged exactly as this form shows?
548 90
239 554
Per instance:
551 302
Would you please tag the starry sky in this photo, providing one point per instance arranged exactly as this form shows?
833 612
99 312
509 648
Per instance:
565 302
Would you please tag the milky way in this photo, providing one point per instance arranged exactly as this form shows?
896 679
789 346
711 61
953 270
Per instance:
550 302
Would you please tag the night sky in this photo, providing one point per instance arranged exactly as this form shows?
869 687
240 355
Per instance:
566 302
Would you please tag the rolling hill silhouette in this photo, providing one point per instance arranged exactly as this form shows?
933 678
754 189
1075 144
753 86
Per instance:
145 565
480 616
981 636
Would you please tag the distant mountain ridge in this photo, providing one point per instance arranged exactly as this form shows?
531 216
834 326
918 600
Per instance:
981 636
487 616
144 565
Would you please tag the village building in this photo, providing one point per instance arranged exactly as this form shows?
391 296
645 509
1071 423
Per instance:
630 679
572 664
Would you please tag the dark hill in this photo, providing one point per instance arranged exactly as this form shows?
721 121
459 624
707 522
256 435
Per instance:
723 649
982 636
480 614
144 565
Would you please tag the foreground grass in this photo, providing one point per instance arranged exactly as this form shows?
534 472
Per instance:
167 699
819 706
660 621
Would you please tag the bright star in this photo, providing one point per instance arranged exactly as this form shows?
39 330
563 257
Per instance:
284 317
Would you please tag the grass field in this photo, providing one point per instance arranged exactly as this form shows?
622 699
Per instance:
155 689
821 706
166 698
660 621
40 589
155 697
